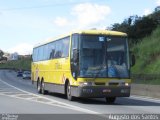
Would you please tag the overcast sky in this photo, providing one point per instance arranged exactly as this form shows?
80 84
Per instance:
24 23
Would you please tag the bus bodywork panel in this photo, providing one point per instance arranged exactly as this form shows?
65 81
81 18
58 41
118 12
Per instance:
94 82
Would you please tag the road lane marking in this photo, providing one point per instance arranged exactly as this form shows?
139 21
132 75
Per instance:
145 98
51 101
17 94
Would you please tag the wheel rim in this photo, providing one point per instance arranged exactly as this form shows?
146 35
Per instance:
39 87
43 87
69 90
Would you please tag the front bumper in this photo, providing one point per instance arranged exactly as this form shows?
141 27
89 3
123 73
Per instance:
101 91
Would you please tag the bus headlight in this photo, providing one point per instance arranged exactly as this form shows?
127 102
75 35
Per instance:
126 84
85 83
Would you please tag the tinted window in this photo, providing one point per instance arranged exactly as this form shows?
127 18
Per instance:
35 54
75 55
65 47
45 52
58 52
51 50
56 49
40 56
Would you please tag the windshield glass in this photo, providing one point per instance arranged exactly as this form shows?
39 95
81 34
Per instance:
103 56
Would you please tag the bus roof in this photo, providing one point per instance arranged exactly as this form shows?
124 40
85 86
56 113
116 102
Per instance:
91 32
102 32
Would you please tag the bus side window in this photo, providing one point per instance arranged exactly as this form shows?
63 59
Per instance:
65 51
51 48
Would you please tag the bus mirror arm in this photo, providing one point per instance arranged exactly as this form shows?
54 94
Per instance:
31 57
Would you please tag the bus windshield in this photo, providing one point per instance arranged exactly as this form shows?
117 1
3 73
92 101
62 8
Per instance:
103 56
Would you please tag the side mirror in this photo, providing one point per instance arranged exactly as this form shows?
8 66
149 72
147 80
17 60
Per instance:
133 60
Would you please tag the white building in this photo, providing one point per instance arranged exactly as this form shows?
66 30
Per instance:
13 56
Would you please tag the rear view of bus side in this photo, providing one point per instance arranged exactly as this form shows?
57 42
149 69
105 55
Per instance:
88 63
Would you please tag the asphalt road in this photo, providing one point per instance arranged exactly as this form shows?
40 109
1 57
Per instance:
18 96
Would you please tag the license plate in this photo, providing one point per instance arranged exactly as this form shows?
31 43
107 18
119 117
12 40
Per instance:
124 91
106 91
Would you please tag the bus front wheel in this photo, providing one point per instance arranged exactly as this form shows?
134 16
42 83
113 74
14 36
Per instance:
69 96
110 100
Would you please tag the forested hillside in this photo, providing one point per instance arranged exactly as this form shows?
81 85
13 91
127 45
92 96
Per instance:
144 39
148 54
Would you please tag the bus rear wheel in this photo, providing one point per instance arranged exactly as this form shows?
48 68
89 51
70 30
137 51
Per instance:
43 91
68 91
110 100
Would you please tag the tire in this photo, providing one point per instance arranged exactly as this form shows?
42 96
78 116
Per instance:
110 100
68 91
39 87
43 91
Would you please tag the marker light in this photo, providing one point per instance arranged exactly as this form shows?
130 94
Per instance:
85 83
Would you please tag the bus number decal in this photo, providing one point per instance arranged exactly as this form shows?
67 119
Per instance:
58 66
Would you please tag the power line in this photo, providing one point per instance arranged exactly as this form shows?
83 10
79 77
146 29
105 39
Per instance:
42 6
35 7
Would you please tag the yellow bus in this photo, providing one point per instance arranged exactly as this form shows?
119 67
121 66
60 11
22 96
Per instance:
87 63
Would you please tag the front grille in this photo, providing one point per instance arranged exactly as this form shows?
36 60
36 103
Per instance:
114 83
99 83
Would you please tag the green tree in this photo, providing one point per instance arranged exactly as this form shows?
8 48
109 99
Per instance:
138 27
1 54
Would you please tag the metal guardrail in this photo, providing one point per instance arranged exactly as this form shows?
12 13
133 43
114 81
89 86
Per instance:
146 76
